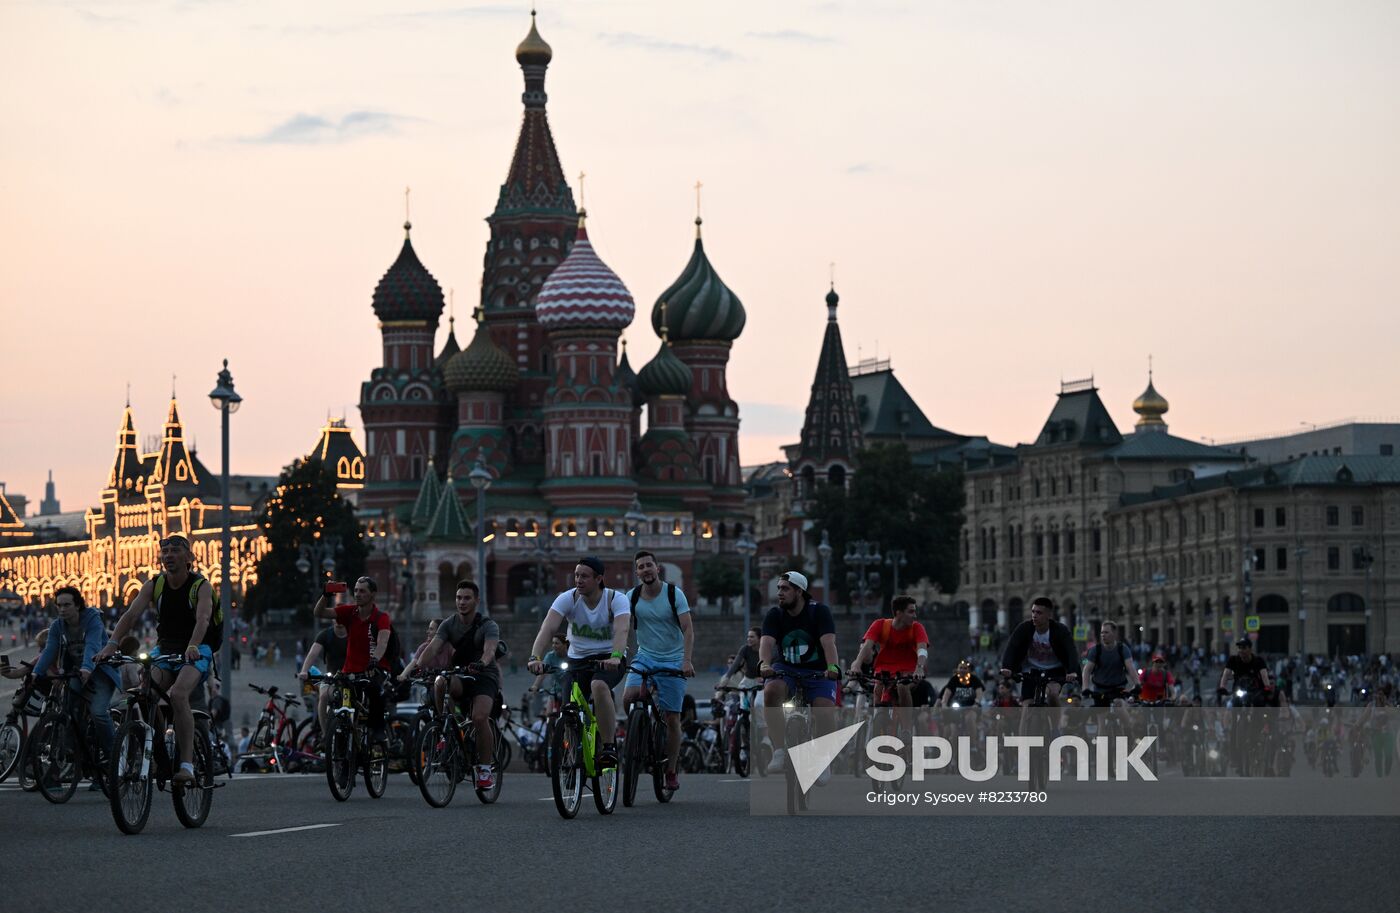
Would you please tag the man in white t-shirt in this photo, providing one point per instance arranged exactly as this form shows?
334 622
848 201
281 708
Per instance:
598 628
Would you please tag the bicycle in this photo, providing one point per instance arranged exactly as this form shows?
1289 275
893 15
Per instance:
276 729
645 746
572 752
140 760
797 729
62 751
1039 773
885 721
448 752
348 743
738 727
15 733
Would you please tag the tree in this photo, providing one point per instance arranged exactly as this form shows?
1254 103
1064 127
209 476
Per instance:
895 504
306 509
718 578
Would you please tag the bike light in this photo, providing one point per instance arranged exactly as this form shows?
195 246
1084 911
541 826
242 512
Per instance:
1239 693
143 657
1212 754
563 666
956 705
789 704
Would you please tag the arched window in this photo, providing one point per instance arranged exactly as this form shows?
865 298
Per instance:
836 475
1346 602
1272 604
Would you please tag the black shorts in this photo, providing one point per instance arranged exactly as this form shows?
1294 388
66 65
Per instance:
1030 681
479 686
585 677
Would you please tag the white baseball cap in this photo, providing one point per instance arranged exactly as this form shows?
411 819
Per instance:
797 579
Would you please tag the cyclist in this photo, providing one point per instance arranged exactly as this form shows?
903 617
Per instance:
181 623
330 645
1108 667
556 657
964 689
665 640
473 638
74 639
801 631
745 662
366 643
1250 673
1157 683
598 629
1042 645
900 645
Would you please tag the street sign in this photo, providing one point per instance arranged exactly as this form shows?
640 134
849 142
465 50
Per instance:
1227 624
1081 632
985 640
1251 623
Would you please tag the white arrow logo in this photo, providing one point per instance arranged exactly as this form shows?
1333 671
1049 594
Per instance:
811 758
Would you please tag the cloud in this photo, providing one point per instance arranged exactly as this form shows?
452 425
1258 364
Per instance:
863 168
100 19
793 35
311 129
463 12
648 43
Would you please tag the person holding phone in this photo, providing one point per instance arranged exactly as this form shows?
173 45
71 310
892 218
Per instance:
367 631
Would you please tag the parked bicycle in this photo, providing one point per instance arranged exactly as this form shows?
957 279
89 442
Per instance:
14 734
276 729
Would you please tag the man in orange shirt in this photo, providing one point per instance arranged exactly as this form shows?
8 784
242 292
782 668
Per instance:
903 650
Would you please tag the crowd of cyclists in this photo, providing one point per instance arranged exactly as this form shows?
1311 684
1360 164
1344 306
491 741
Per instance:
356 671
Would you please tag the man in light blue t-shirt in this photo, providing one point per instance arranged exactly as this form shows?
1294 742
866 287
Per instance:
665 640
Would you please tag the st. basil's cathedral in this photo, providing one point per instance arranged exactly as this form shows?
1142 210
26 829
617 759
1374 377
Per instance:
544 398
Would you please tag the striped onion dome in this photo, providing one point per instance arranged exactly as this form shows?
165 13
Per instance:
699 306
582 293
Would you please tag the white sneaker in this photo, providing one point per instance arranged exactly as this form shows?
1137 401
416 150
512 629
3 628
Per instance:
775 766
824 777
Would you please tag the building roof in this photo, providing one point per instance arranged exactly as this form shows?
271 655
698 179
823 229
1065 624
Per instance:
583 293
888 411
831 430
1079 418
698 305
482 366
1318 471
429 493
449 521
1160 445
449 345
971 453
665 374
627 378
535 183
408 291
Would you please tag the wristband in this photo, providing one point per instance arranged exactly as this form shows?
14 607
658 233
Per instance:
533 658
832 667
616 654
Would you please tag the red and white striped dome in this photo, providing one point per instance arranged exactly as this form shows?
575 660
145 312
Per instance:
582 293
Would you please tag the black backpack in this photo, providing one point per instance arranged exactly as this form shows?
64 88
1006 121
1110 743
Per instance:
636 596
214 632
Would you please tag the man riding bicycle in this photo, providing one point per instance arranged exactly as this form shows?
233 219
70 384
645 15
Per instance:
902 645
473 638
366 643
665 640
598 627
964 689
183 613
75 638
1041 646
801 631
328 648
1157 683
1250 674
1108 667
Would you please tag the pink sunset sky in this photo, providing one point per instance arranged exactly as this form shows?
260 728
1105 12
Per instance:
1013 193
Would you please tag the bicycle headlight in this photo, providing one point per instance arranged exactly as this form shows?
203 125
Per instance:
1239 693
563 666
143 656
789 704
956 705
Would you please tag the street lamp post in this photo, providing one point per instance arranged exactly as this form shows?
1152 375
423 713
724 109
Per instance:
862 555
316 555
1366 559
224 398
824 552
1299 553
896 559
480 478
401 551
747 547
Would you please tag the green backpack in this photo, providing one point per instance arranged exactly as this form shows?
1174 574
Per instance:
214 633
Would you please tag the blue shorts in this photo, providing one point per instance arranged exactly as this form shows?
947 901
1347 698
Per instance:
670 689
206 658
811 688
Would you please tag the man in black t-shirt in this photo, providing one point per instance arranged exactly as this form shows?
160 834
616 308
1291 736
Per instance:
796 652
964 689
1250 673
328 649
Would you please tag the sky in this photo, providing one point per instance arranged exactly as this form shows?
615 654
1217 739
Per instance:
1012 193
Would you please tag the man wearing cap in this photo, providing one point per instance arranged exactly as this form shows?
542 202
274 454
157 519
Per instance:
1157 683
798 636
598 628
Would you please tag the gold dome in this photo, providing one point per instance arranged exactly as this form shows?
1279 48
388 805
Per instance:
534 49
1151 405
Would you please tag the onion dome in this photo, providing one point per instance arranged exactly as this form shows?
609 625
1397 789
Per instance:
1151 405
534 49
450 347
627 378
700 305
582 293
482 366
408 291
665 375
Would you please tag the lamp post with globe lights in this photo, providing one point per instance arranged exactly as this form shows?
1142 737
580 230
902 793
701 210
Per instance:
225 399
481 479
747 547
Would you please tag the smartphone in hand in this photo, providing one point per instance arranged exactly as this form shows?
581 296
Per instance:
334 587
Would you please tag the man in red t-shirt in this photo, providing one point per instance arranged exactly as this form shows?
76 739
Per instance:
1157 683
366 643
903 649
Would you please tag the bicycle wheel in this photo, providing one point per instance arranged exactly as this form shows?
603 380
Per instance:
376 770
633 754
340 760
192 801
500 758
658 763
440 765
129 781
11 745
308 745
605 790
566 766
415 753
55 764
739 754
285 745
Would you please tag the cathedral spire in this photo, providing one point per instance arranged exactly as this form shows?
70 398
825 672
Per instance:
831 433
535 182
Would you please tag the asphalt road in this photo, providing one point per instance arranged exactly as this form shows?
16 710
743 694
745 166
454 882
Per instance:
702 852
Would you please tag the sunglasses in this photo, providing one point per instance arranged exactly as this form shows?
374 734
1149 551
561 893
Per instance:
180 541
